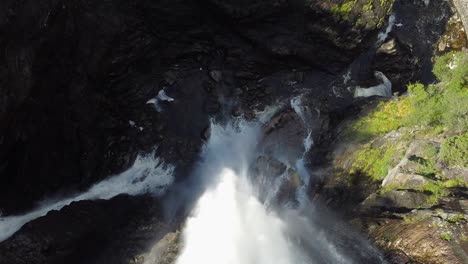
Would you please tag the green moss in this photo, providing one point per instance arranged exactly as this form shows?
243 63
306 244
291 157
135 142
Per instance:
454 150
374 162
343 11
452 183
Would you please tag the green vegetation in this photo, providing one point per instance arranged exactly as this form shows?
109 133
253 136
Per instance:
456 218
415 219
437 190
426 168
343 10
386 117
436 108
454 150
429 110
458 182
369 6
374 162
446 236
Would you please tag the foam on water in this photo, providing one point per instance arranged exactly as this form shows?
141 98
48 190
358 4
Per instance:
147 175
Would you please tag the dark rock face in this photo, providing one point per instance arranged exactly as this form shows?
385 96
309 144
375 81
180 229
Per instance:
87 232
419 25
75 73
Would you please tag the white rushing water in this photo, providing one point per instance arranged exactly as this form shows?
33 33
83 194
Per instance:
384 89
231 225
384 34
147 175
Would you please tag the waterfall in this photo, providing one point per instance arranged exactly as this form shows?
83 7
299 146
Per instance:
230 224
383 89
147 175
384 34
301 111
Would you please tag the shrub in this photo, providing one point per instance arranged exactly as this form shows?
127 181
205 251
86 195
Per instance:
427 104
451 69
454 150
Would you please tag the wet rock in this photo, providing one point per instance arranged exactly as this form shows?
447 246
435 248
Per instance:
420 27
268 166
283 136
217 76
86 231
165 251
388 47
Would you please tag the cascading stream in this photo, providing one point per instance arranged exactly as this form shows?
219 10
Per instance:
147 175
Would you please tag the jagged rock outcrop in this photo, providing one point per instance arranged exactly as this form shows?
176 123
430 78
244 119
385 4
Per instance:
462 8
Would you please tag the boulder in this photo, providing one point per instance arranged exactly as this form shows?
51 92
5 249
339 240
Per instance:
396 201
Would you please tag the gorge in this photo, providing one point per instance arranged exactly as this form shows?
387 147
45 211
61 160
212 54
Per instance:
232 131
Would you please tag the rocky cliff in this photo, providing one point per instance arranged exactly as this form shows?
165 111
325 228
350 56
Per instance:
76 78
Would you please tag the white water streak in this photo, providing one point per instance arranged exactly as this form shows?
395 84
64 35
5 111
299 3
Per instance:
147 175
300 166
384 34
161 97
